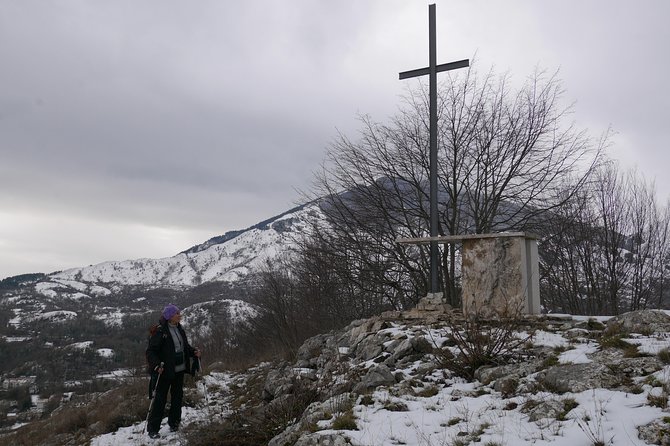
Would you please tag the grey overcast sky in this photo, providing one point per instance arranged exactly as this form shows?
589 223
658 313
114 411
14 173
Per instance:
139 128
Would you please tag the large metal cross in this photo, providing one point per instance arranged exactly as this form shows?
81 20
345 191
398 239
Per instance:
432 71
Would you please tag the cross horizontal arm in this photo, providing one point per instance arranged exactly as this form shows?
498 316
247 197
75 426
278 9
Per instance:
438 69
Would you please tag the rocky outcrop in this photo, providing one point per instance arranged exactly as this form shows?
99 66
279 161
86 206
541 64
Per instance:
405 355
656 432
642 321
580 377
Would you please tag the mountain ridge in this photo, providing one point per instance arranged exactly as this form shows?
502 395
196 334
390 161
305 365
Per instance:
226 258
229 235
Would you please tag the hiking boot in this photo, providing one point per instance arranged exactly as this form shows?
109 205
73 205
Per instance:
174 428
154 435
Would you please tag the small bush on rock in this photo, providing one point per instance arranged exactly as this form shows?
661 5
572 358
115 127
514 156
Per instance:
367 400
479 343
427 392
658 400
614 341
345 421
395 406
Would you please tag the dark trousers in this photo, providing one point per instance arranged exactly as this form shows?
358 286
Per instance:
176 388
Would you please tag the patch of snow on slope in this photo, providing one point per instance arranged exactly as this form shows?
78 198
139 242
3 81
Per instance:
47 289
97 290
73 284
202 318
116 374
241 311
105 352
578 355
110 316
652 344
549 339
16 338
77 296
41 286
16 320
56 316
80 345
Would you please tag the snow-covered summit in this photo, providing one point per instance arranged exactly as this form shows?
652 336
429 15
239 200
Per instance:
226 258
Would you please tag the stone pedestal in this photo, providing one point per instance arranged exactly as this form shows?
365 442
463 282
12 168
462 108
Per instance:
500 274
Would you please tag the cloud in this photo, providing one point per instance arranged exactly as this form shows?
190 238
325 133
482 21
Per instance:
197 118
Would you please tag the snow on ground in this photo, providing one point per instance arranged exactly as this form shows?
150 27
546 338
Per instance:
105 352
240 311
200 323
443 419
460 411
97 290
548 339
110 316
136 434
16 338
601 319
115 374
72 284
578 355
49 293
56 316
77 296
12 299
80 345
16 320
651 345
214 406
43 287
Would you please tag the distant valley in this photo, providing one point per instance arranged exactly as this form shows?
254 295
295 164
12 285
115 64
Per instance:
83 329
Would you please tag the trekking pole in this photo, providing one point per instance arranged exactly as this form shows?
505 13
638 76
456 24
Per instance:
153 397
204 386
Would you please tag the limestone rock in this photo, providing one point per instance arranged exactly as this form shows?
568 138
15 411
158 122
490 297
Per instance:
642 321
277 383
656 432
488 374
378 375
546 409
312 348
579 377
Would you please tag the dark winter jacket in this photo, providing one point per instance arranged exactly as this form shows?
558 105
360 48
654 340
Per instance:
161 349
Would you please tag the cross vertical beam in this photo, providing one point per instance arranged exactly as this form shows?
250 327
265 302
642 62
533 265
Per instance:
432 71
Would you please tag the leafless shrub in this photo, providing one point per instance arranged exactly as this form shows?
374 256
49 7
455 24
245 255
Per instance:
475 343
508 158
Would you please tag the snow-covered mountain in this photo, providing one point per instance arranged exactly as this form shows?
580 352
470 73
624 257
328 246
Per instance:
225 258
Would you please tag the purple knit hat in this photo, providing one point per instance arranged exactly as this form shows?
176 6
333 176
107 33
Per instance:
170 311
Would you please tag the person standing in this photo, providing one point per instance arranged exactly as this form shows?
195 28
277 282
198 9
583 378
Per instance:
168 345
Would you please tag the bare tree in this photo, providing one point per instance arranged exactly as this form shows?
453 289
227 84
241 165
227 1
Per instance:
605 251
648 246
277 324
505 156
